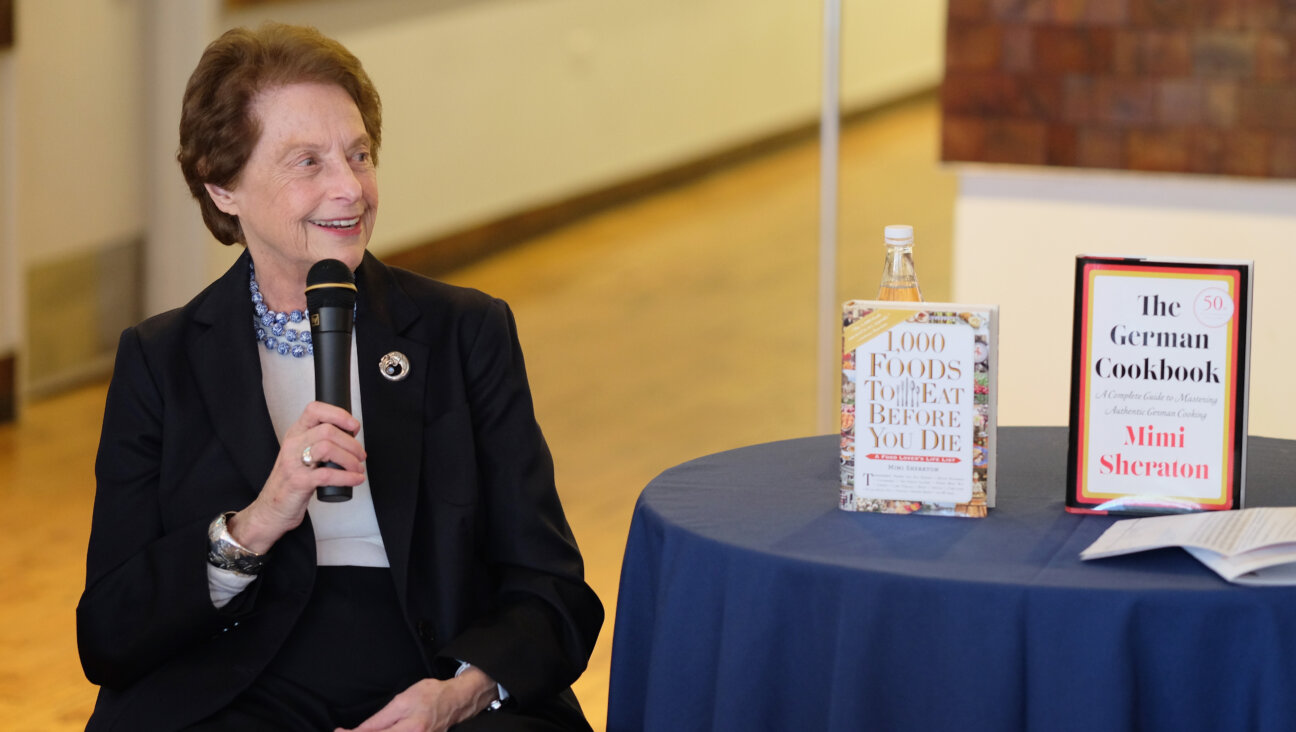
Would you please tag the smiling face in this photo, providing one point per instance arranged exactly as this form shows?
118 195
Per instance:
308 192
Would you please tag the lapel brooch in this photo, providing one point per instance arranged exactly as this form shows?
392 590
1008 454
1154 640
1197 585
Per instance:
394 366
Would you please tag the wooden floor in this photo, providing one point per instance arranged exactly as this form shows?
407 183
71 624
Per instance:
664 330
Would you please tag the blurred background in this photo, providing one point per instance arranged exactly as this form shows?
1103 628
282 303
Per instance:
493 109
641 181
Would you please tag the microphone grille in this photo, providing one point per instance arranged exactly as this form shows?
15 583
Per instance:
330 283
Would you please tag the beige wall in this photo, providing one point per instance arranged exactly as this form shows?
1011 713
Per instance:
1018 231
71 149
492 106
79 146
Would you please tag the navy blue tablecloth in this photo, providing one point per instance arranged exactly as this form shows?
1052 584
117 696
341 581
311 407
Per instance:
749 601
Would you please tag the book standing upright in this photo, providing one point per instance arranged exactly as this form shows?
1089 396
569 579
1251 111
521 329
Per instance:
918 408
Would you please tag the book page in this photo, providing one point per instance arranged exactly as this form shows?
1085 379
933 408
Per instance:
1275 564
1227 533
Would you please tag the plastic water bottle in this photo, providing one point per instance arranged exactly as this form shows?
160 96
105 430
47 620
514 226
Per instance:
899 280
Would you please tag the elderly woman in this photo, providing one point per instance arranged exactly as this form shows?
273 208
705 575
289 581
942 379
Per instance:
220 592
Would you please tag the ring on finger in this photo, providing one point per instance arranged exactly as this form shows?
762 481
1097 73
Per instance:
306 457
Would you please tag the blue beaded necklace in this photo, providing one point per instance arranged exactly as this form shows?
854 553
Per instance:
272 328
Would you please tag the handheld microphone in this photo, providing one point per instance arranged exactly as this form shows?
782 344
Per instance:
330 297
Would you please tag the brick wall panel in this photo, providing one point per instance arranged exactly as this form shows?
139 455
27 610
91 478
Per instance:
973 48
1020 10
1111 13
1126 103
1098 147
1067 12
1061 145
1162 151
1165 53
1267 107
1223 14
1062 51
1221 104
1274 60
1224 54
1166 13
1259 14
1247 153
1282 156
1079 100
985 94
1016 49
974 10
1180 102
1200 86
1127 50
1022 142
1205 150
1040 97
963 138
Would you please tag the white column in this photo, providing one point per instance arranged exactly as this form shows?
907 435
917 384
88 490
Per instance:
829 345
179 250
13 315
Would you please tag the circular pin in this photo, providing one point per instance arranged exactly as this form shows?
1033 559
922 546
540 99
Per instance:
394 366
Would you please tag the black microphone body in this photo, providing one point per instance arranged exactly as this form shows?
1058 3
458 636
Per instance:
330 298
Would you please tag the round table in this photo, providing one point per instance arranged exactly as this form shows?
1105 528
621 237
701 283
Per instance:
749 601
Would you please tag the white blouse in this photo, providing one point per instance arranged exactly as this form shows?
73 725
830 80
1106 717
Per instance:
346 533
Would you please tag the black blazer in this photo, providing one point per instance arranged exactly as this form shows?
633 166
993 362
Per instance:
462 480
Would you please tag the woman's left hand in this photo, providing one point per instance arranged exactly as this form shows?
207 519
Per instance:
432 705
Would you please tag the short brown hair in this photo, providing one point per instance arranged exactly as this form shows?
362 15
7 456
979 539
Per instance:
217 127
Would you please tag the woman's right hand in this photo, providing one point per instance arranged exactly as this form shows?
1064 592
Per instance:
328 432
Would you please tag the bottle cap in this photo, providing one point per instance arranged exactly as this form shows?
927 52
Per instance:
899 234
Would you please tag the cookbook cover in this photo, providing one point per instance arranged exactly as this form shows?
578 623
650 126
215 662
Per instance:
918 408
1159 372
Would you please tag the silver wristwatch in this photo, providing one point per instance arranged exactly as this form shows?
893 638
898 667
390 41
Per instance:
223 552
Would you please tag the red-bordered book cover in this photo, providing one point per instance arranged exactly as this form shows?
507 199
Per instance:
1159 385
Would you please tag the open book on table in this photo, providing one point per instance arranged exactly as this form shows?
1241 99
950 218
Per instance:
1254 546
